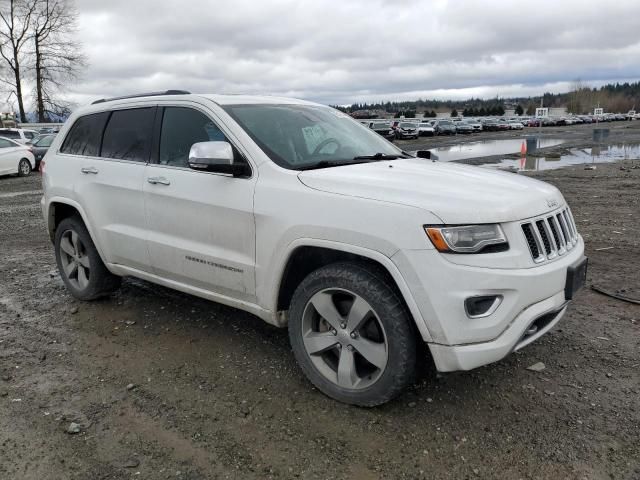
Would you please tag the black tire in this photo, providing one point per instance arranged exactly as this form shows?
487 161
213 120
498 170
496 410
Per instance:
24 168
101 282
389 310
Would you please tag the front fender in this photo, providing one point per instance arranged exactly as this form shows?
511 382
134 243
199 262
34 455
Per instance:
373 255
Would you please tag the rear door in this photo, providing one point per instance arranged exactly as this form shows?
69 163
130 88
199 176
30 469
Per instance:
110 189
201 225
8 157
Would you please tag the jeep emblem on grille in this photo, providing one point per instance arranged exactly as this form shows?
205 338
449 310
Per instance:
551 203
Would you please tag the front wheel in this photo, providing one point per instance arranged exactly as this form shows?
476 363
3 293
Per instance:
24 167
351 334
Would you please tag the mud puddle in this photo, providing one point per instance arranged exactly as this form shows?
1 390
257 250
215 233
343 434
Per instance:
486 148
575 156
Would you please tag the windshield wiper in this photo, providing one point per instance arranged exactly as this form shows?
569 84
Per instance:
353 161
377 156
334 163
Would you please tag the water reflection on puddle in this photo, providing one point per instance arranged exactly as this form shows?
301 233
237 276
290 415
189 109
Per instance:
598 154
486 148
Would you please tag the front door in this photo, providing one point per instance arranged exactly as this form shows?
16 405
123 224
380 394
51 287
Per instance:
201 229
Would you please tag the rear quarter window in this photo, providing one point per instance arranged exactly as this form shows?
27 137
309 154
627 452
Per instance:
85 135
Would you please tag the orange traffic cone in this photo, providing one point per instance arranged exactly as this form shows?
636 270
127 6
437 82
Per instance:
523 149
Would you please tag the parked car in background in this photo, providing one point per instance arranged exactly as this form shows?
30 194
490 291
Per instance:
463 127
444 127
490 124
15 158
475 124
40 147
503 124
18 134
406 130
384 252
383 129
425 129
515 125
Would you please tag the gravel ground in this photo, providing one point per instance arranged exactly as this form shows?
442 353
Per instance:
152 383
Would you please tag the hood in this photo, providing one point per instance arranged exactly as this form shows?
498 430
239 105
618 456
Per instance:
455 193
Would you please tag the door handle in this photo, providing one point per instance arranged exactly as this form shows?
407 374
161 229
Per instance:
93 170
158 180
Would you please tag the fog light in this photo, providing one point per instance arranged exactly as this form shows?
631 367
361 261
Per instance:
482 306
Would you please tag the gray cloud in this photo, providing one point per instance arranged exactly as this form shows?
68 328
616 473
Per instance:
338 52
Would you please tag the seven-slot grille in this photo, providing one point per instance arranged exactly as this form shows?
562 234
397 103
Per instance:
551 235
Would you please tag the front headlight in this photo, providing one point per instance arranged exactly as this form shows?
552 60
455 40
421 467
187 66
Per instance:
466 239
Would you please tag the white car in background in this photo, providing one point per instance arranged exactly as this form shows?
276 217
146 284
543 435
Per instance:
15 158
475 124
426 129
18 134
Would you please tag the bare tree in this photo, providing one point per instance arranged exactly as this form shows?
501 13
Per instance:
15 20
58 57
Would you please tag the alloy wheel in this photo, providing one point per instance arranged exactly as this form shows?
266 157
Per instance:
25 167
75 260
344 338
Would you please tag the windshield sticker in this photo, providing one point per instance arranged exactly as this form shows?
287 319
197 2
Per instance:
313 136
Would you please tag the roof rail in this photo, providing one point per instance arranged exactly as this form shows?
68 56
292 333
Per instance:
137 95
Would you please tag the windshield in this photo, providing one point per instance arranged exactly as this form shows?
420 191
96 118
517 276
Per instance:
45 141
445 122
300 136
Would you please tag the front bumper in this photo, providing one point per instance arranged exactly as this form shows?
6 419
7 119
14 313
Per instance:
457 342
449 358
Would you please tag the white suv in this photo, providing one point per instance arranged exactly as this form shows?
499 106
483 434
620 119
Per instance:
300 215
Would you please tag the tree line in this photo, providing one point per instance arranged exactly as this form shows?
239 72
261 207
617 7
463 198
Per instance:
614 97
38 48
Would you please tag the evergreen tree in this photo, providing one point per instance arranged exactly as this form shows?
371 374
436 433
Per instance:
519 110
454 113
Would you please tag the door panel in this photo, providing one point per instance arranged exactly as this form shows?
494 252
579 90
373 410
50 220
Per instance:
201 230
112 195
111 183
8 157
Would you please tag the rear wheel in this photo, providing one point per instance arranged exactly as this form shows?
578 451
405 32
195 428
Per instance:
79 263
352 335
24 167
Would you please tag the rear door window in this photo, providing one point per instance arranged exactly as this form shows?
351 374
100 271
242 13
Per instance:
85 135
5 143
128 135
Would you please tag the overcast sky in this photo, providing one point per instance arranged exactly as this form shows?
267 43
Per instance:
342 51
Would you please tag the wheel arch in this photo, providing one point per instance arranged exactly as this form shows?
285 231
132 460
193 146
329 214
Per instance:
304 256
58 208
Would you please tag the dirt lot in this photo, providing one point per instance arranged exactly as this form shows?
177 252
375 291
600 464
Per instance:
164 385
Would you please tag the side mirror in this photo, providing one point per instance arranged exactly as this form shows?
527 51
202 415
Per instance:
214 157
426 154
